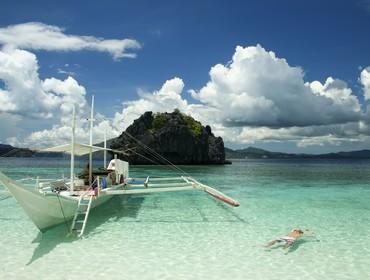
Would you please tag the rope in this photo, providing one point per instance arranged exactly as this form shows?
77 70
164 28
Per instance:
157 155
160 162
153 155
140 155
152 161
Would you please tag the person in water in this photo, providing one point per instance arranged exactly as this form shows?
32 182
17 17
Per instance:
289 239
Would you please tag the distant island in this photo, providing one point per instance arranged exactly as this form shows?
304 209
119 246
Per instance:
10 151
255 153
182 140
175 136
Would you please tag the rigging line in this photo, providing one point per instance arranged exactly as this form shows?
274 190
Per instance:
160 163
163 162
153 161
156 163
166 160
158 160
155 153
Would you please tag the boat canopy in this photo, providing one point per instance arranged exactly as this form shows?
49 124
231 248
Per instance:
79 149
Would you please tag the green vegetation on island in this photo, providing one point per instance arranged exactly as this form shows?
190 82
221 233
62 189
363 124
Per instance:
160 119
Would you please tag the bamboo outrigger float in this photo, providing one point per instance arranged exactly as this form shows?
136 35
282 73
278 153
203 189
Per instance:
52 202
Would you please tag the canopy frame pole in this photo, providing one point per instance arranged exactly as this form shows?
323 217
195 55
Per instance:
115 168
73 147
91 139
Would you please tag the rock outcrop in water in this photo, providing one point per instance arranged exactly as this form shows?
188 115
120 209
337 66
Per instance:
175 136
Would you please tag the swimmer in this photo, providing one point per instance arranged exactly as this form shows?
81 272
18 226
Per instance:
289 239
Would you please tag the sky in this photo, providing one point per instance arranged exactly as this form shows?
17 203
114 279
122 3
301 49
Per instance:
287 75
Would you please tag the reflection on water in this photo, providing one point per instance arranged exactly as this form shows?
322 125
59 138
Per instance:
48 240
116 208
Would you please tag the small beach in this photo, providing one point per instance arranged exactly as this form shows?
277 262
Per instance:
190 235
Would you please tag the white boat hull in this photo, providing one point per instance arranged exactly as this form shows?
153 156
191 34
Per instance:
47 210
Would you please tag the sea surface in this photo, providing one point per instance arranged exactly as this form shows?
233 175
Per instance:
190 235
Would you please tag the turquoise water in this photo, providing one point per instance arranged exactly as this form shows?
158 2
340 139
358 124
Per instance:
190 235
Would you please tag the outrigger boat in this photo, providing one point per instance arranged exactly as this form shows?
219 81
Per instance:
53 202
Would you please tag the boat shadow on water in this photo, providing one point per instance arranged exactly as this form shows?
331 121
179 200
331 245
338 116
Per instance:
118 207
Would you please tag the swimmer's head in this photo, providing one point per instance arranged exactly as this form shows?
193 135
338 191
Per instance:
297 230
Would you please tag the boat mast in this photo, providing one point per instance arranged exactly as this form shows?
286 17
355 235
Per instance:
91 139
105 149
73 147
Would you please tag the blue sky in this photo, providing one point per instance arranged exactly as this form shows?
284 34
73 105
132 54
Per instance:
186 39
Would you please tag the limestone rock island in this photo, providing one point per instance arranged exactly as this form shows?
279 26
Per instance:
175 136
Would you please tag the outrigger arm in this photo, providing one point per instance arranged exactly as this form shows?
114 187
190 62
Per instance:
213 192
170 185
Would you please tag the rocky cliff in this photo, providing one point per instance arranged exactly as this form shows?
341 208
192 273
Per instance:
175 136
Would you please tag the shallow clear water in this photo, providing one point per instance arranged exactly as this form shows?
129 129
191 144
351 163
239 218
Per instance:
190 235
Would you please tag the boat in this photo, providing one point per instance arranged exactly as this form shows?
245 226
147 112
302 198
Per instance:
55 201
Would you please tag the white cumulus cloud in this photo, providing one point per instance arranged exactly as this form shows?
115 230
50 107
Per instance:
259 89
27 95
28 100
61 134
256 97
40 36
260 97
365 81
167 99
306 136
